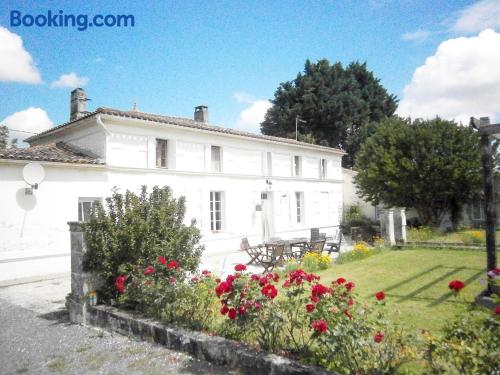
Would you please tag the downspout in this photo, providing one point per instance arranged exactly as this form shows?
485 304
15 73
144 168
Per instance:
107 132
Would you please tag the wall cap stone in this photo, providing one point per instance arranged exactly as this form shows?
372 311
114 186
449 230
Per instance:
75 226
216 349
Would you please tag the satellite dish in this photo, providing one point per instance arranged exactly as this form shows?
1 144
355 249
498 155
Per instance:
33 174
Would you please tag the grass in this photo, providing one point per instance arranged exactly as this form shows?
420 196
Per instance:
416 283
466 237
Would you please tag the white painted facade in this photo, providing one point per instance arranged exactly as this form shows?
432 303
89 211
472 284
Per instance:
35 226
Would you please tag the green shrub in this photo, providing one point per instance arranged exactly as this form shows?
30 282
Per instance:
473 237
312 262
469 345
133 230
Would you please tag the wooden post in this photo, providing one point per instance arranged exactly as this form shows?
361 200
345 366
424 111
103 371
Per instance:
485 130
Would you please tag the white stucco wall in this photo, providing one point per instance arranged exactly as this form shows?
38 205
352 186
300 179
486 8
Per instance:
34 226
350 196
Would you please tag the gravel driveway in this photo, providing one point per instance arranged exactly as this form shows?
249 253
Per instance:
36 337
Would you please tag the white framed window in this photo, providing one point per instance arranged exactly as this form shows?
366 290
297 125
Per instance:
299 205
161 153
216 211
323 163
269 161
216 158
297 166
85 207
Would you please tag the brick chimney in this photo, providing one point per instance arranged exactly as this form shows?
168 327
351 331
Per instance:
201 113
78 107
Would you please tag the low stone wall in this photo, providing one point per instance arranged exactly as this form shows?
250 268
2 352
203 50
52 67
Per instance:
214 349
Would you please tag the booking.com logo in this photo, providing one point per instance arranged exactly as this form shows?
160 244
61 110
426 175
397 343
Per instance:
80 21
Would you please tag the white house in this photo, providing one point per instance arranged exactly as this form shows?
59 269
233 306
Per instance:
236 184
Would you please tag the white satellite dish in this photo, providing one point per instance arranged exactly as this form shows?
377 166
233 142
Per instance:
33 174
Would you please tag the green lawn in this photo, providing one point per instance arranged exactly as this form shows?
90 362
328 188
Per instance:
416 282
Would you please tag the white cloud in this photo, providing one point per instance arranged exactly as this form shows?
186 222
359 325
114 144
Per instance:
459 81
70 80
29 121
243 97
477 17
251 117
16 64
416 36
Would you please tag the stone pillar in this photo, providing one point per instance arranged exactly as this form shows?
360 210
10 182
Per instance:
390 228
81 282
403 225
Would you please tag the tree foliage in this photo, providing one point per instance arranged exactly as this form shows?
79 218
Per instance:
134 230
4 137
433 166
341 106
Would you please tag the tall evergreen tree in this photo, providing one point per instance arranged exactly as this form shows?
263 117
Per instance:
4 137
341 106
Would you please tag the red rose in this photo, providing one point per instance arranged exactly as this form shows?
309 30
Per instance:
173 264
195 279
319 326
276 277
120 283
350 285
255 277
241 310
456 285
240 267
230 279
310 307
206 273
350 302
257 306
319 290
149 270
269 291
224 309
315 299
286 284
378 337
380 296
341 280
497 310
217 280
161 260
263 281
223 287
232 314
348 314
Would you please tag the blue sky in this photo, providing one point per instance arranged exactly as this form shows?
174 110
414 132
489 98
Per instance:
184 53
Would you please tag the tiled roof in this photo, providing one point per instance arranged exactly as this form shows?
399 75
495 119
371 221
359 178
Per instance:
55 152
187 123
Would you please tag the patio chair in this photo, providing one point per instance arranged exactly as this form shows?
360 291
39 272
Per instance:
314 234
276 257
334 246
317 246
256 253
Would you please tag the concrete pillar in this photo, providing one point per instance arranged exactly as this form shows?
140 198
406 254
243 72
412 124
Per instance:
390 230
403 225
81 282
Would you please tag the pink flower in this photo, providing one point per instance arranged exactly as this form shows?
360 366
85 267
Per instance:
240 267
149 270
319 326
380 296
173 264
161 260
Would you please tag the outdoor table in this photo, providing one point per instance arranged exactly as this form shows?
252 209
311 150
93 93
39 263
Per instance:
300 242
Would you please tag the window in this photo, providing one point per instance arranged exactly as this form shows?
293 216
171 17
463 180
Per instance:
85 207
477 210
299 199
161 153
297 166
322 169
216 218
216 165
269 164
